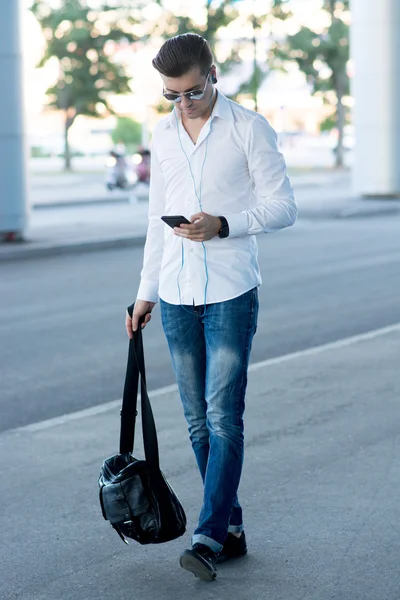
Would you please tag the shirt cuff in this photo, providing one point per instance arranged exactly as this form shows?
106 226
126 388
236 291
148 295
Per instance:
238 224
148 290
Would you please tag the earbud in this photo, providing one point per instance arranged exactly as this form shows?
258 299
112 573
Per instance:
213 79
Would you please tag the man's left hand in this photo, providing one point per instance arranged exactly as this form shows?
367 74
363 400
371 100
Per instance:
203 227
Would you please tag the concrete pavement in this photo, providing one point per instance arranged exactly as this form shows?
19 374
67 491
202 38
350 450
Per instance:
320 490
79 188
73 228
89 223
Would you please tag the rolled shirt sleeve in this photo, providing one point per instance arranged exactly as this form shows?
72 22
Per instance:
154 247
276 206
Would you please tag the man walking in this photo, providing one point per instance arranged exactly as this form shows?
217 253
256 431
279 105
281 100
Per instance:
217 164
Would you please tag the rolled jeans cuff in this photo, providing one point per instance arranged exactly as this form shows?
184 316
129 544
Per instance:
199 538
235 528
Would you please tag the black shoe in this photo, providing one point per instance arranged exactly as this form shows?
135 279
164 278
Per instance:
201 561
233 548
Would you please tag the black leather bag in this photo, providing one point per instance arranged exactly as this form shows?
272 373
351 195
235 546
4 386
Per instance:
134 494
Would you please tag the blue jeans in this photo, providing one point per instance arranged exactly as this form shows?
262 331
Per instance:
210 355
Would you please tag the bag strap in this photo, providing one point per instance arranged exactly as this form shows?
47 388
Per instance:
129 403
134 369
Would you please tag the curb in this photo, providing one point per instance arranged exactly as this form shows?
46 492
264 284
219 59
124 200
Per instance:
25 251
76 203
30 249
347 213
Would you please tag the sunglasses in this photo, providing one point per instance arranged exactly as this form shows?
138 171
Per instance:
195 95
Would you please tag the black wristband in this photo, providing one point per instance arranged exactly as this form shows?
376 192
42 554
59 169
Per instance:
224 231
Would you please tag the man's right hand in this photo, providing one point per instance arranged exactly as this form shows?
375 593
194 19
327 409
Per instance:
141 308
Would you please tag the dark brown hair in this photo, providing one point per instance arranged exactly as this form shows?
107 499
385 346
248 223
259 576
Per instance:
178 55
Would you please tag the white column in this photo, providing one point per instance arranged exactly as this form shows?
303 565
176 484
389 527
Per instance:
13 216
375 47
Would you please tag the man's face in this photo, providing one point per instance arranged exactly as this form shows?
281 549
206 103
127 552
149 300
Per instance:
192 81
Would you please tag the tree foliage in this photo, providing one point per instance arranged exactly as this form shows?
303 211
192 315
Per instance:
216 16
322 56
128 131
80 39
260 71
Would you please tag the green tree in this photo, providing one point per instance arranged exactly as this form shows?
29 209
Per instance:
323 57
127 131
216 16
81 39
266 19
250 87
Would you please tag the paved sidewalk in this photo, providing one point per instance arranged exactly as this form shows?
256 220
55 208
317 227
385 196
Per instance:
80 228
89 224
320 491
68 189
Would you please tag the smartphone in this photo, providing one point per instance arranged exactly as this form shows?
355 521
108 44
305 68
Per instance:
175 220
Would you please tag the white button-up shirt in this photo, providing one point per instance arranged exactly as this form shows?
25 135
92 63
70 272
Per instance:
244 179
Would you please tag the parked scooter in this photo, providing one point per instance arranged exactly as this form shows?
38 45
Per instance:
142 162
120 172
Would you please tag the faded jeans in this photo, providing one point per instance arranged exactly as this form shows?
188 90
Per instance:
210 355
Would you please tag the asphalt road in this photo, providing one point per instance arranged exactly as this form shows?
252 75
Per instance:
62 319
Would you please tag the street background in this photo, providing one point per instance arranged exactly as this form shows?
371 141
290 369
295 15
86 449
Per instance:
321 478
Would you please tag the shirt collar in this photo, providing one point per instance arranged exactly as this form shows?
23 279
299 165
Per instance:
222 109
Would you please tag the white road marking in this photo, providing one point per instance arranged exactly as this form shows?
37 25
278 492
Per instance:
115 404
354 339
